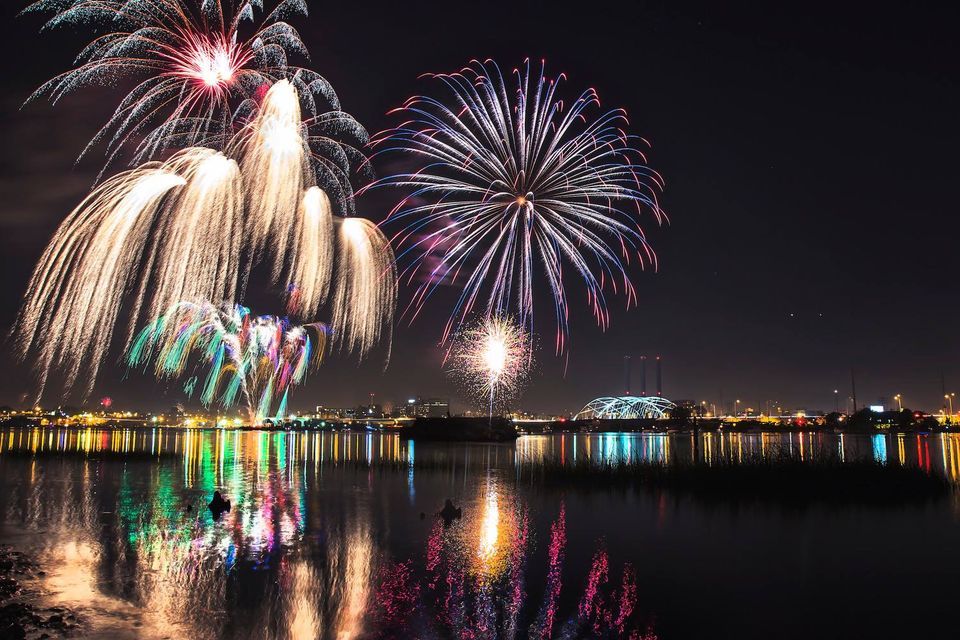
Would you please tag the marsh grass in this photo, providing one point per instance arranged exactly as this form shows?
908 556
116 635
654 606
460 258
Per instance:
777 479
781 478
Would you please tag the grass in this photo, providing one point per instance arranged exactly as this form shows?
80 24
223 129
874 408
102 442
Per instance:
777 480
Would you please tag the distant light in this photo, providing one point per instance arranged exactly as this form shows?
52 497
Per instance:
876 408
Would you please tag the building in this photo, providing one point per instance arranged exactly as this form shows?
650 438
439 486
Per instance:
420 407
335 413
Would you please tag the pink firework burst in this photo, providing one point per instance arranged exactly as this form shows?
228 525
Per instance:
196 65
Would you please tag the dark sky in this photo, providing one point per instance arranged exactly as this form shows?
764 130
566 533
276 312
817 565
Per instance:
809 154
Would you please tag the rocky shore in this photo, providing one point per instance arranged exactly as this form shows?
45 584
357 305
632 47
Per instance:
21 616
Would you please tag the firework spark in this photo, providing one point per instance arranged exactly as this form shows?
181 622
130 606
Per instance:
77 288
365 294
198 240
194 63
276 162
179 230
309 278
253 358
512 178
492 359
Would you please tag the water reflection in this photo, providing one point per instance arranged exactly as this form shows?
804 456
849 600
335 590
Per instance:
879 448
220 458
326 540
314 545
938 453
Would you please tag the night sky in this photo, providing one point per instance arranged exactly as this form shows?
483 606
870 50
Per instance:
809 156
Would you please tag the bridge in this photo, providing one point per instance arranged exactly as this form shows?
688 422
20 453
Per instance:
626 408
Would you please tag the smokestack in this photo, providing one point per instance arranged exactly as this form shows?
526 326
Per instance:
853 390
659 378
626 373
643 375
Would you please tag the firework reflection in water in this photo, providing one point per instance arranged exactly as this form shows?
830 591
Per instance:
305 560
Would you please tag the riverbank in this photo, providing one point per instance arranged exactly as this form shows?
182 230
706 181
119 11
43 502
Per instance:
779 479
21 616
783 480
462 429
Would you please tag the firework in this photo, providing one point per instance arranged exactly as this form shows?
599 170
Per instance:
308 281
253 358
263 169
365 293
179 230
275 161
198 239
195 63
513 180
77 288
170 231
492 359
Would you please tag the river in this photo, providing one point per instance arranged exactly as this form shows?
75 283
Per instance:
335 535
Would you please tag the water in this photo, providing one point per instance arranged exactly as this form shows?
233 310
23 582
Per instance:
326 539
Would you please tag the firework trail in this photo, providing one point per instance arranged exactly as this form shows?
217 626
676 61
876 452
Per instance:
76 291
194 62
492 359
276 163
151 229
198 239
256 358
293 222
364 296
179 230
510 178
309 278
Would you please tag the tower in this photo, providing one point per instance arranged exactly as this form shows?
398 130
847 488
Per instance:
659 378
626 374
643 375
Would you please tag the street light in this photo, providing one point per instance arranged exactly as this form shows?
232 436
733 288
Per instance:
836 401
736 409
949 398
900 401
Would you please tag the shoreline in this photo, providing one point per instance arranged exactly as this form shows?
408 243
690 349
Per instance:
330 427
24 612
